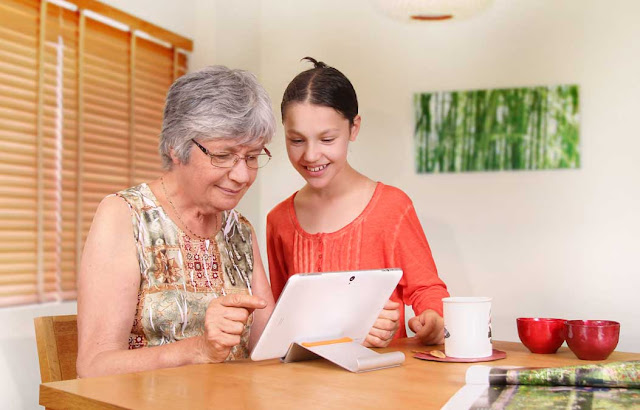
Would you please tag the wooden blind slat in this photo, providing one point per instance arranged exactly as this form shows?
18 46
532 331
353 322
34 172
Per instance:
153 106
18 93
19 55
17 38
13 268
146 94
148 136
153 85
148 142
20 8
154 66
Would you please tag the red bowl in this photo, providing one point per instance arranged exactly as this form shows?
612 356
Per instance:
541 335
592 339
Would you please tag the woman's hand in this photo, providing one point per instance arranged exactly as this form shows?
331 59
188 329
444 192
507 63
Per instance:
428 327
224 323
385 326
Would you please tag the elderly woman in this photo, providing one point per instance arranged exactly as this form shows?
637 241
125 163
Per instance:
171 274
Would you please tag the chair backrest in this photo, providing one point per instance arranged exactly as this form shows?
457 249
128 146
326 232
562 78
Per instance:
57 340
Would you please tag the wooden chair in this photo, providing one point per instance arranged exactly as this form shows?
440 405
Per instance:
57 340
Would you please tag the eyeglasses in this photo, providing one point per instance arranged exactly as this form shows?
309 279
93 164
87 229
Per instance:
229 159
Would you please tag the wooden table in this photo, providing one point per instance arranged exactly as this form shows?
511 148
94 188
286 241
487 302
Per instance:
303 385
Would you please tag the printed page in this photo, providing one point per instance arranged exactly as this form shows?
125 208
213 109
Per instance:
590 386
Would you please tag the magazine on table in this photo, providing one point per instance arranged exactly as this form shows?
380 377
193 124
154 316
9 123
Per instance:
589 386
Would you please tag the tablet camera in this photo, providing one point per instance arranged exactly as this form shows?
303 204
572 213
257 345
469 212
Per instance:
351 278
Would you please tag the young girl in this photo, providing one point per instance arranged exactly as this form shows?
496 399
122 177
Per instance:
343 220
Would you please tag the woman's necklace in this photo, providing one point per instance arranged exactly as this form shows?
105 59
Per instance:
175 211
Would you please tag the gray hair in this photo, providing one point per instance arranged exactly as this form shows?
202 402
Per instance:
214 103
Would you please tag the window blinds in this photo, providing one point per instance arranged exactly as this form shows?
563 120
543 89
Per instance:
80 113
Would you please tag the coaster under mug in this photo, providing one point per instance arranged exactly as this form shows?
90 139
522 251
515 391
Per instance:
496 355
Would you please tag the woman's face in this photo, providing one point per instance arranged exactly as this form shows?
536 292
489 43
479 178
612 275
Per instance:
215 189
317 139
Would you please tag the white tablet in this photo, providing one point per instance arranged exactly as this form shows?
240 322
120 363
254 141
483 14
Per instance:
325 306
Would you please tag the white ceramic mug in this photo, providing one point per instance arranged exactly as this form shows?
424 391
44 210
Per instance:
467 327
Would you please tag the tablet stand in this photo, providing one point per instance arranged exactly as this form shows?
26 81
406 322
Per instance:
345 353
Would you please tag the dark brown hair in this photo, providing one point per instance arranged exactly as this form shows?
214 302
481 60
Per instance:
325 86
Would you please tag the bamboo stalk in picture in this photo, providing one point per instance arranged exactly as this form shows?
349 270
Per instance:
498 129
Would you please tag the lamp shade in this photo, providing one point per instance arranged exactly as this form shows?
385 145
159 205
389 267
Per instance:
431 10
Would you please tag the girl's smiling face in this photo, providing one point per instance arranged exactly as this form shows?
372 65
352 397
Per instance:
317 138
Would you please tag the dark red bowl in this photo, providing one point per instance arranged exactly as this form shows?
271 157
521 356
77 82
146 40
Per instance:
541 335
592 339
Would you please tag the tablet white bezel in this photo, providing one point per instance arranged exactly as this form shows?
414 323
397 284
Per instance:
325 306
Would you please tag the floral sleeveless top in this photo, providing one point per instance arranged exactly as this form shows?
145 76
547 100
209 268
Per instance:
181 275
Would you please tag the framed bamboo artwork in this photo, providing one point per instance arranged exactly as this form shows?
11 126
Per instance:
497 129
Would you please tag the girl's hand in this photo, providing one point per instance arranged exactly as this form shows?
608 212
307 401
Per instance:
428 327
385 326
224 323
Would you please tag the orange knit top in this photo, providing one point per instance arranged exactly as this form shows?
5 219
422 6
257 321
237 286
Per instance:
387 234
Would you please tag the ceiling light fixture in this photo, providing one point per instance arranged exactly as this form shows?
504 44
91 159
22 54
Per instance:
431 10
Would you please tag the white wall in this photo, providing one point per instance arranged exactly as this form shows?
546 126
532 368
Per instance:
544 243
177 16
19 370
